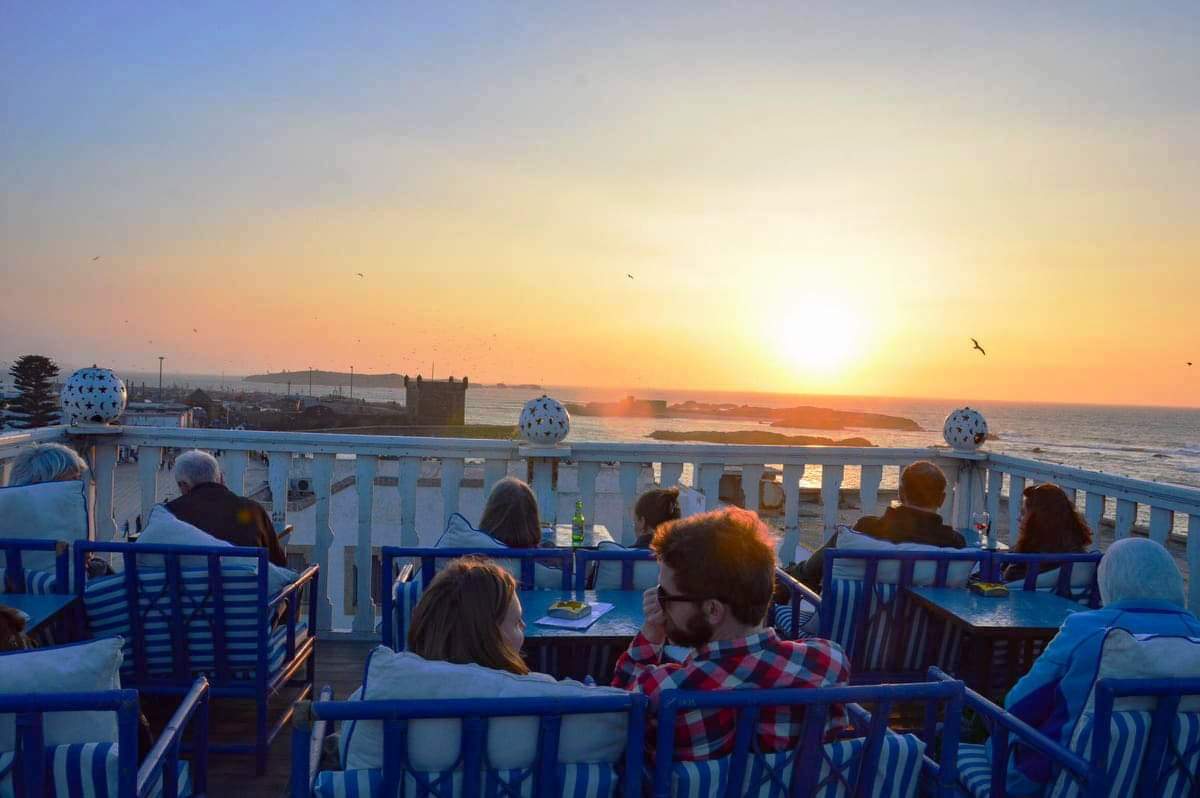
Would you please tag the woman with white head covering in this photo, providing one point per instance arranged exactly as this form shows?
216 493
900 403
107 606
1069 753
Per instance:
1142 591
46 462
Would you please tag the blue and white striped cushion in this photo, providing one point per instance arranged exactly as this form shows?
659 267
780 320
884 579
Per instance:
85 770
108 615
1130 731
767 775
38 583
575 781
975 770
406 596
782 620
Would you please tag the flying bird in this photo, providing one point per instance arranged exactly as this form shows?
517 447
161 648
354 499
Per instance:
977 346
96 258
195 330
1189 362
360 274
630 276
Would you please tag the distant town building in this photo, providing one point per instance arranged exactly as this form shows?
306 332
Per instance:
433 403
158 414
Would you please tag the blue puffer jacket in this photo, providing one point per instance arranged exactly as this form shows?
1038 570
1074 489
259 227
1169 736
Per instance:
1055 691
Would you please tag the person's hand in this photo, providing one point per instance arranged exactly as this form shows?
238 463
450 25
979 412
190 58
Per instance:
654 623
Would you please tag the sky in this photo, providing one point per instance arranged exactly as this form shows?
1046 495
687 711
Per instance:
809 198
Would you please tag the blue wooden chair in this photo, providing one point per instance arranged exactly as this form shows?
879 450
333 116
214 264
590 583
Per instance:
872 618
218 621
587 561
16 577
406 571
95 769
1149 751
473 776
877 762
1072 577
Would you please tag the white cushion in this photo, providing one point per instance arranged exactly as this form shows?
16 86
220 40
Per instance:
1082 574
164 529
1147 656
888 573
89 667
512 742
608 572
691 501
459 534
46 511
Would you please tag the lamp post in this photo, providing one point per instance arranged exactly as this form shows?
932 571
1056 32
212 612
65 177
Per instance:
160 364
352 382
310 381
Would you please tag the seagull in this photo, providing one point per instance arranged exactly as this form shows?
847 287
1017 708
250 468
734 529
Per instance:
360 274
195 330
1189 362
977 346
96 258
630 276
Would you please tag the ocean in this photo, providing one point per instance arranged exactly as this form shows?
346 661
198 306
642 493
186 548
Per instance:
1152 443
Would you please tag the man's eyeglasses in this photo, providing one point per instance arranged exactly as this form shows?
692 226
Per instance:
666 598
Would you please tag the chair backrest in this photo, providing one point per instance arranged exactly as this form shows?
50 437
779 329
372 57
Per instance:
872 619
876 761
1073 576
17 577
623 559
427 560
179 622
474 776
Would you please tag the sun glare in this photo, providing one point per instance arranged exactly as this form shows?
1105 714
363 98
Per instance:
820 339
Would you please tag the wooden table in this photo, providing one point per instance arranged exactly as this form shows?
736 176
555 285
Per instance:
1017 625
52 618
577 653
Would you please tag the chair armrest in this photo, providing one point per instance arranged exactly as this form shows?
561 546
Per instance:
305 577
285 533
165 753
316 741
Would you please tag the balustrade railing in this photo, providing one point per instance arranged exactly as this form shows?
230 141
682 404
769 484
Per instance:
426 480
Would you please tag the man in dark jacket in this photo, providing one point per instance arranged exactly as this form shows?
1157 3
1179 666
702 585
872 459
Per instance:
208 505
916 520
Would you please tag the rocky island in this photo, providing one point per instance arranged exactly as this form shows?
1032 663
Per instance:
755 438
806 417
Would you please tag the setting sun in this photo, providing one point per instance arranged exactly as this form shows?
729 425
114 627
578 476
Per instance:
821 337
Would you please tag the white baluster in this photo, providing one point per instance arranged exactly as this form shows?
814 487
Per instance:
543 488
831 489
278 473
233 467
1072 495
452 474
1016 495
964 497
994 490
365 468
149 458
588 471
410 472
1093 511
628 479
5 471
671 474
494 470
104 466
710 483
751 476
322 479
947 508
1161 522
1193 558
1126 515
868 488
792 474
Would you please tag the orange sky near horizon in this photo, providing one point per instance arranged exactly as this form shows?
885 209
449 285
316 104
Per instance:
832 226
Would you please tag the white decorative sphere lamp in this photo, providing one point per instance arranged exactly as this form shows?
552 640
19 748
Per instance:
93 396
544 421
965 430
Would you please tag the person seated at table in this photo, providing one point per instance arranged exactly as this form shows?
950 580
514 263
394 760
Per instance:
654 507
470 613
915 520
717 575
12 630
511 515
46 462
210 506
1143 593
1049 524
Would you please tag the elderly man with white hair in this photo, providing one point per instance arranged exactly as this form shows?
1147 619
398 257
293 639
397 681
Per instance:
1143 593
46 462
208 505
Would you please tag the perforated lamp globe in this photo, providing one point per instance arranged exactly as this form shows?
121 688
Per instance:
965 430
544 421
93 396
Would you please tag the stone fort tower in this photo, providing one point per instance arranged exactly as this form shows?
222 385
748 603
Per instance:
433 403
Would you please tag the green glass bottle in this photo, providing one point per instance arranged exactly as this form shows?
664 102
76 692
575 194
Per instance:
577 524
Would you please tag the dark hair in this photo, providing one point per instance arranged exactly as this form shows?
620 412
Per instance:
724 554
1052 524
657 506
511 515
922 483
459 615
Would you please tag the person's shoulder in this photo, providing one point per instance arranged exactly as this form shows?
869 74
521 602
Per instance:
868 524
810 646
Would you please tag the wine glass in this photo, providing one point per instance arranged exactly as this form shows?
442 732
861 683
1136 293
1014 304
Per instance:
981 522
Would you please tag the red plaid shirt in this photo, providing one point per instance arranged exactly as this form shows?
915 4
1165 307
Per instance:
760 660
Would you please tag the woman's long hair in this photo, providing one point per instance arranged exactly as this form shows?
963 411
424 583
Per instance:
1051 524
657 506
459 615
511 515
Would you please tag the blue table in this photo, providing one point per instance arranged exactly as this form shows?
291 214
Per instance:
577 653
1014 628
45 613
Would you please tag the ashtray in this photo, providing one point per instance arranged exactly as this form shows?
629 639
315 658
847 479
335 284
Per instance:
569 609
990 589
